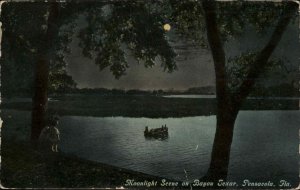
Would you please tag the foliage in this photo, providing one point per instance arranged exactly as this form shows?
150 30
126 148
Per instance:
118 29
113 30
233 18
59 80
19 46
237 69
24 25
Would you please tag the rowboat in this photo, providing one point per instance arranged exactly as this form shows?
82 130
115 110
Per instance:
161 132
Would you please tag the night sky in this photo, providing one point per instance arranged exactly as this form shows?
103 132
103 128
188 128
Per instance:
197 70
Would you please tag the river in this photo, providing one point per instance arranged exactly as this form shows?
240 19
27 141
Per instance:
211 96
265 144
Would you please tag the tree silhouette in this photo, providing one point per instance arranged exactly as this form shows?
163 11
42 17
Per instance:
40 34
129 29
34 41
212 23
204 23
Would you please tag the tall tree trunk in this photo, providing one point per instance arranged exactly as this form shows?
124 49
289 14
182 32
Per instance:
40 97
228 104
220 155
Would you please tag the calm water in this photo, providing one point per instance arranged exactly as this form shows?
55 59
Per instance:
264 146
214 96
120 141
190 96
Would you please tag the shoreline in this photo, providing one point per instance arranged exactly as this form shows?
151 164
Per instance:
23 166
147 106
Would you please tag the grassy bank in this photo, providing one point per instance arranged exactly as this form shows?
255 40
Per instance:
24 166
146 106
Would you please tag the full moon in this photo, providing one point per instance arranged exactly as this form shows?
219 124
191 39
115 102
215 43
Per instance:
167 27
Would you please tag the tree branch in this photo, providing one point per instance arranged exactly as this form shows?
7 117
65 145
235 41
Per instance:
262 58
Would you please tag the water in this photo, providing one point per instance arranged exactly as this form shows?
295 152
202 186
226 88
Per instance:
120 141
214 96
264 146
190 96
265 143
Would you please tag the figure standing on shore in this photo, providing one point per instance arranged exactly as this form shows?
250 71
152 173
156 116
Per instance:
54 135
50 135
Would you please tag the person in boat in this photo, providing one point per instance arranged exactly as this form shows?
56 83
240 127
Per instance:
146 130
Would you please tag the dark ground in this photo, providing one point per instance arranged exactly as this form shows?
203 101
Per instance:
26 167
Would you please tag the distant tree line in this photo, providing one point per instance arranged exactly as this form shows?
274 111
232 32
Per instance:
56 88
114 91
157 92
280 90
